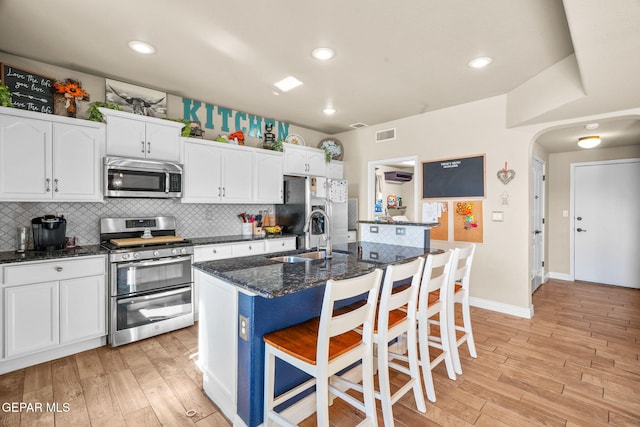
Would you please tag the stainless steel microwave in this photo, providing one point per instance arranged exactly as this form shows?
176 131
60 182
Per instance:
142 178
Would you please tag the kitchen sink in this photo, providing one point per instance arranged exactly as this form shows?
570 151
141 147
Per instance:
308 256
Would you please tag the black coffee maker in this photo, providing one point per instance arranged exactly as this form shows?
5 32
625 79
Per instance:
49 232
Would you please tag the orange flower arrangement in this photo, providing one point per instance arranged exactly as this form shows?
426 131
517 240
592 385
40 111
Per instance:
238 134
71 90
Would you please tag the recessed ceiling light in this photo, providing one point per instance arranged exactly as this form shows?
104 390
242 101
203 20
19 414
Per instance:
481 62
592 126
275 92
141 47
329 111
323 53
588 141
288 83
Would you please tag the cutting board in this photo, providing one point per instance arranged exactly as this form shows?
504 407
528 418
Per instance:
135 241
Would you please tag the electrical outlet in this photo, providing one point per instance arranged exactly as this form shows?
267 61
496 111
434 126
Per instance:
400 231
243 328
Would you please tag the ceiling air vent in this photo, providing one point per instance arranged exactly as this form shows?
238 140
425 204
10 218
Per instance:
386 135
358 125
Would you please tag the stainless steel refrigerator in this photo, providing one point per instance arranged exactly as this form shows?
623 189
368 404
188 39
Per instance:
301 196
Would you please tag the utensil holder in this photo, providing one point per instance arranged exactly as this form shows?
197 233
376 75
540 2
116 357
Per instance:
247 229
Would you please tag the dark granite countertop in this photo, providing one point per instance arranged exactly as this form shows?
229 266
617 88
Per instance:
7 257
418 224
263 276
197 241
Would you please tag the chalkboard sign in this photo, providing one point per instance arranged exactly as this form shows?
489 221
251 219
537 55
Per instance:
450 178
29 91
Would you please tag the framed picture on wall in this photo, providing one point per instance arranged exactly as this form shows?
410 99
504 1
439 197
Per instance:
137 99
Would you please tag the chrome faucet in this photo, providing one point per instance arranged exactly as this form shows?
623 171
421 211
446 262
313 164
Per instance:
327 230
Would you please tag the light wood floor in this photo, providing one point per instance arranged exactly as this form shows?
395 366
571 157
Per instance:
576 363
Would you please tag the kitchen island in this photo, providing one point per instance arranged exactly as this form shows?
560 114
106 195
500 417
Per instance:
242 299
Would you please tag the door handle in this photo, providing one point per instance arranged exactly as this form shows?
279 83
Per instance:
142 146
148 147
55 185
580 230
537 232
48 181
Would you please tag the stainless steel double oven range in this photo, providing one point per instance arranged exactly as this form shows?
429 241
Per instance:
150 281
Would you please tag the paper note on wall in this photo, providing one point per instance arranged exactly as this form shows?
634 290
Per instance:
431 212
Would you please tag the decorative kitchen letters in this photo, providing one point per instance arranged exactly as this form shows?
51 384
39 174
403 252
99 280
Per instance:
230 120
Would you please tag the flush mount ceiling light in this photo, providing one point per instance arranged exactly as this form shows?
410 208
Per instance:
323 53
481 62
591 126
588 141
141 47
288 83
329 111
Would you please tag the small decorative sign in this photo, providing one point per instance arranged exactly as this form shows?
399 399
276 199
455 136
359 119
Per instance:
29 91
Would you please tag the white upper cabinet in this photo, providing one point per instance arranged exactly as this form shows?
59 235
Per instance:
335 169
77 162
268 182
45 157
132 135
299 160
217 173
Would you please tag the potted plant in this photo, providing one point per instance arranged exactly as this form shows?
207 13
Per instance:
95 115
5 97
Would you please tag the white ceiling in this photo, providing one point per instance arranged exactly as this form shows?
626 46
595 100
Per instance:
393 59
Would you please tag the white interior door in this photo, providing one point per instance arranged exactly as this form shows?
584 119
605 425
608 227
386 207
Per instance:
537 224
606 235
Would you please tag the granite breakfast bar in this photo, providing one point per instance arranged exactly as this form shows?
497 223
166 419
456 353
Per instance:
242 299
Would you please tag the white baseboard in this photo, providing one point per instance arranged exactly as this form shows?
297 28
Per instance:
513 310
560 276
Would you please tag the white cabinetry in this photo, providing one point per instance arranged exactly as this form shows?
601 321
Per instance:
300 160
335 169
218 345
31 318
132 135
44 157
221 173
82 308
268 182
52 308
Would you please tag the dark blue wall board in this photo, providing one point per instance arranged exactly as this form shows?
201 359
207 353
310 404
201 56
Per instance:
29 91
451 178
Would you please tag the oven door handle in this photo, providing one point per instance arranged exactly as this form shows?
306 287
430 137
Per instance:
154 296
167 182
154 262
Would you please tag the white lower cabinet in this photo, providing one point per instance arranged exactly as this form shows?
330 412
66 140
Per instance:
31 318
51 309
83 311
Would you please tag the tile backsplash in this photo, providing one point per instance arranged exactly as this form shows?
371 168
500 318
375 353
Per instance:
193 220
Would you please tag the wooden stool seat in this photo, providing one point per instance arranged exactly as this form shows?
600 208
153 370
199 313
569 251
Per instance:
321 347
301 341
435 295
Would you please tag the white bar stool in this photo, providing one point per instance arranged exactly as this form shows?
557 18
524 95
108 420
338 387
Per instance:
396 316
323 346
461 276
436 299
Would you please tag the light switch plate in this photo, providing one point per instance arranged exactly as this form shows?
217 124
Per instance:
497 216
